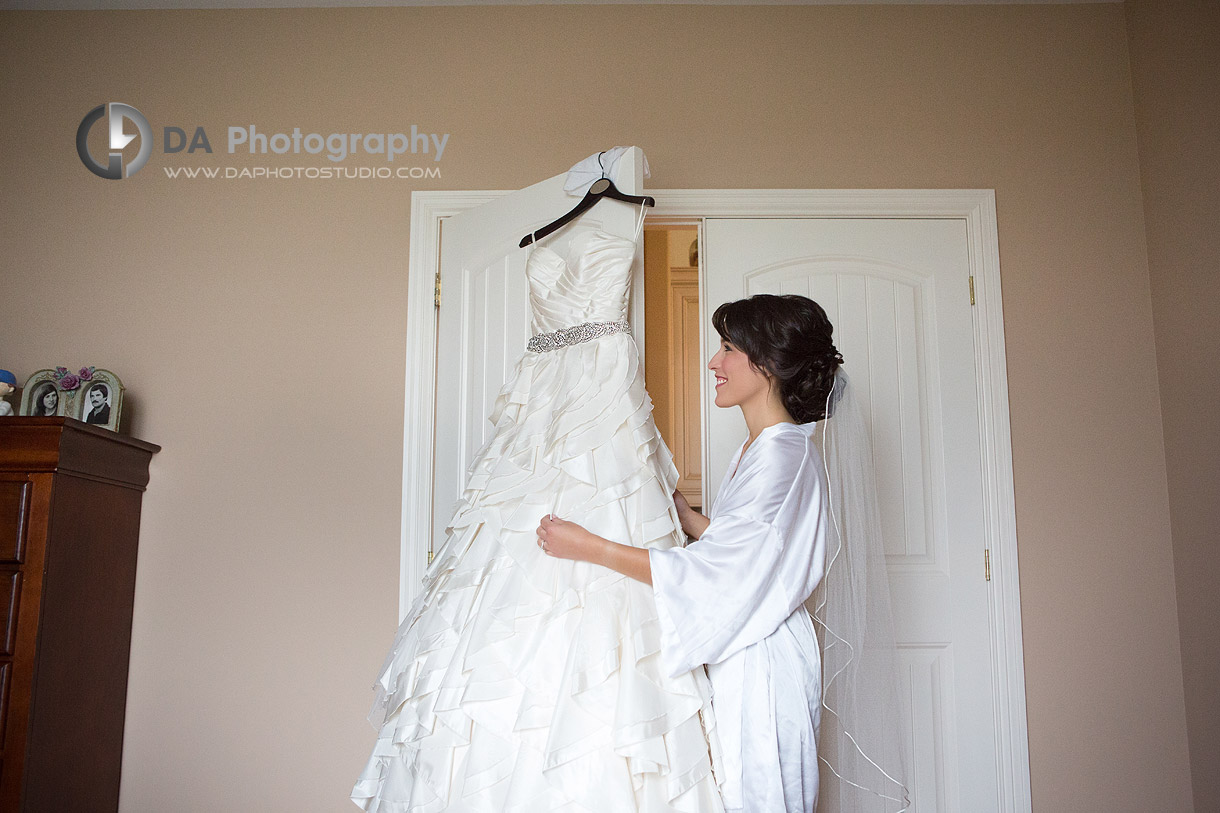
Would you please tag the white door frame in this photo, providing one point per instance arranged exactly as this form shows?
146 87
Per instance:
976 207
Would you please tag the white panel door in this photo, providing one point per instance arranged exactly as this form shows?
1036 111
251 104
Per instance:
897 292
483 322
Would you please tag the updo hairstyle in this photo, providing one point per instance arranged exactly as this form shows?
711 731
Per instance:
788 338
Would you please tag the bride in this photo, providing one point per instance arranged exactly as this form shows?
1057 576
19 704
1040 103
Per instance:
734 599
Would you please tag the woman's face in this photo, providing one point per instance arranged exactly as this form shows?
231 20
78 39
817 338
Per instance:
50 401
736 381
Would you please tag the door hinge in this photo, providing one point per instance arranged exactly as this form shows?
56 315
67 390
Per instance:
431 555
987 564
436 291
971 288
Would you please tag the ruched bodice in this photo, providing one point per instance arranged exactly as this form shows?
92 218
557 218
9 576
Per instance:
590 284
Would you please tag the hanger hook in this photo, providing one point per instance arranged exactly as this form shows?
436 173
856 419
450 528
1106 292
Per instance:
600 164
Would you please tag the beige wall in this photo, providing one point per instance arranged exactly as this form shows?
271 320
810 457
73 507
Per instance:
260 325
1175 59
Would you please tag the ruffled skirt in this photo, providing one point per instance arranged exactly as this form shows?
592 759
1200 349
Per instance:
518 682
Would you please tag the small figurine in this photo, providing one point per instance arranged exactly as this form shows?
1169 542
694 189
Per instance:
8 385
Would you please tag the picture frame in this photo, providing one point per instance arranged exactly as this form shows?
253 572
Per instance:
37 388
92 396
99 400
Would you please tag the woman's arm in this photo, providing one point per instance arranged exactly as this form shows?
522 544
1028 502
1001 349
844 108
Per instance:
568 540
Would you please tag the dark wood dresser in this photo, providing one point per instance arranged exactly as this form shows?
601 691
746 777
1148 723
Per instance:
69 524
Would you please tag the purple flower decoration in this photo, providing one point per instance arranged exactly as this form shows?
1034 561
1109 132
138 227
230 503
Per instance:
60 372
85 374
69 382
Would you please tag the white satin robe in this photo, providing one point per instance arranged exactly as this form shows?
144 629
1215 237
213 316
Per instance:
733 600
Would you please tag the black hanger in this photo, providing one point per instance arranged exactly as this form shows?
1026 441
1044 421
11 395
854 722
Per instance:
601 188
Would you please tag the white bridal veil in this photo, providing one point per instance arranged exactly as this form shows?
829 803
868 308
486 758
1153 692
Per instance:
863 722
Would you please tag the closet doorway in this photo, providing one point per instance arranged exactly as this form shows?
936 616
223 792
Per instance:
673 361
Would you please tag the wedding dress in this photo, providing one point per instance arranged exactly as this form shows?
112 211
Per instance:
518 682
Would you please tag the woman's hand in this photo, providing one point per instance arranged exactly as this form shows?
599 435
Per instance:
693 523
567 540
684 509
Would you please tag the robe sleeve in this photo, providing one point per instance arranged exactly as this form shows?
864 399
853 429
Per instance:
759 559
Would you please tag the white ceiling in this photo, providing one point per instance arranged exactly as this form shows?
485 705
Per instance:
78 5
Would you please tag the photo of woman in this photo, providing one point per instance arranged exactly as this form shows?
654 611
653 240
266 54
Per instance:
45 400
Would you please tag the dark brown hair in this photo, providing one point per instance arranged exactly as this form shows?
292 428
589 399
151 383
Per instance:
788 338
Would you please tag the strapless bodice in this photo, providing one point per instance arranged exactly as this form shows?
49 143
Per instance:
590 284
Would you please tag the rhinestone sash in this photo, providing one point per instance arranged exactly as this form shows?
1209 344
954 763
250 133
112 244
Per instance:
545 342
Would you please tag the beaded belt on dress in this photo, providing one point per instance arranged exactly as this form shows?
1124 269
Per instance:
544 342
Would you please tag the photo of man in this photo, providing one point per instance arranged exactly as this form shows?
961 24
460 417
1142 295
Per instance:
97 405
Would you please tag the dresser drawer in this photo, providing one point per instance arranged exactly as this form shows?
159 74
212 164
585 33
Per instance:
14 514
